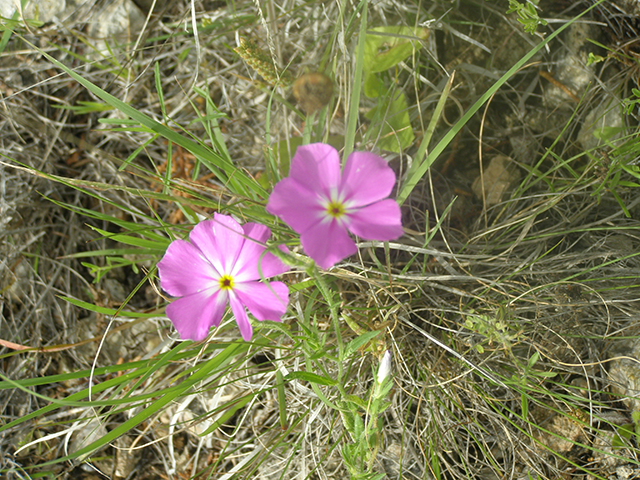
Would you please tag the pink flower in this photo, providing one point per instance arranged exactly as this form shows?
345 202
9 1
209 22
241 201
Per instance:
223 261
322 204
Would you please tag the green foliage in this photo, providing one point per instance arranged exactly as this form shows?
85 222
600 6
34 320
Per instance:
494 328
423 164
632 103
142 406
616 170
390 123
527 376
593 59
311 378
362 418
384 49
628 434
8 25
85 107
527 15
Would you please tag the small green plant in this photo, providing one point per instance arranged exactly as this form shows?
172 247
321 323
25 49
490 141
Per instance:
631 103
527 15
362 419
8 25
615 169
593 59
629 433
494 328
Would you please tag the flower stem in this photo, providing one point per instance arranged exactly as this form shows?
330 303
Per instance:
335 319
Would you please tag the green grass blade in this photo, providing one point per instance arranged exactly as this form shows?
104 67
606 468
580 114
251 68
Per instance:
108 311
236 179
354 100
157 406
411 182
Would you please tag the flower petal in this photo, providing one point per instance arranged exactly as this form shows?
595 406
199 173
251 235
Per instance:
220 240
272 265
245 265
317 167
257 231
266 301
379 221
295 205
194 315
367 178
252 255
328 243
242 319
263 266
184 270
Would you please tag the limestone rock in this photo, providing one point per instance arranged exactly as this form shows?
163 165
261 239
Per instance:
497 178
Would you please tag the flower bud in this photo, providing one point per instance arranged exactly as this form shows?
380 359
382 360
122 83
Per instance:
385 367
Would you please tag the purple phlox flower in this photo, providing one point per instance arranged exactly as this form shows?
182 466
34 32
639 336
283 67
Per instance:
323 204
222 262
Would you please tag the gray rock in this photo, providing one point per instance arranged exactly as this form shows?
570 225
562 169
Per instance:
624 373
498 177
607 454
625 472
119 21
603 123
42 10
86 434
571 71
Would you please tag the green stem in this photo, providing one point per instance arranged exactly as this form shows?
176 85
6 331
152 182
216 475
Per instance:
335 320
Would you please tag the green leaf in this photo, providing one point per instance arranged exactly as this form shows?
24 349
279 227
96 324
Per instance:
377 476
533 359
348 452
83 107
359 341
311 378
282 400
358 426
623 435
357 401
108 311
157 246
373 86
391 124
607 133
354 99
349 422
385 47
112 252
385 389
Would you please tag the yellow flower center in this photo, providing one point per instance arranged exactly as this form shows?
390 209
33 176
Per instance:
335 209
226 282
